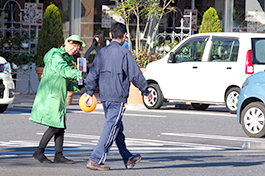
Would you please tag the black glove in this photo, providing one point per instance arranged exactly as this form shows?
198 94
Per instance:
84 75
81 86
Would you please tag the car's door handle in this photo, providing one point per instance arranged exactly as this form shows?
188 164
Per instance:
195 67
229 68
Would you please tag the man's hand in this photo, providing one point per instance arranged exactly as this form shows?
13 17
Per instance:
88 101
149 96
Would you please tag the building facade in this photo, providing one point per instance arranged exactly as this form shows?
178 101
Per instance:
86 17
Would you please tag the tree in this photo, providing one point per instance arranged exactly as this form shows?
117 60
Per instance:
51 33
150 9
210 22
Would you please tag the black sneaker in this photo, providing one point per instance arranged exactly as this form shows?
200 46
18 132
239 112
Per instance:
130 163
63 160
41 158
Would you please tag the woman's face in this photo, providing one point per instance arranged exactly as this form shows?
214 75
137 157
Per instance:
72 47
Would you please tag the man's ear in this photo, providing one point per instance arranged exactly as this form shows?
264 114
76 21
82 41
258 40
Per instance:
110 35
125 35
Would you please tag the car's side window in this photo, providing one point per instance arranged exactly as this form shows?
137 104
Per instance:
190 51
259 51
224 50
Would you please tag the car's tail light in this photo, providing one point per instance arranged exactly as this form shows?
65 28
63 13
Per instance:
249 66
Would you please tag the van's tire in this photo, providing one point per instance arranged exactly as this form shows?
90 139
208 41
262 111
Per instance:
3 107
157 97
200 106
231 99
252 119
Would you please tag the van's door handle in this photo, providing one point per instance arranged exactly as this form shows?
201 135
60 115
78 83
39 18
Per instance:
228 68
194 67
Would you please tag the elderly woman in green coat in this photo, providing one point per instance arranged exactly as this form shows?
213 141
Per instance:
49 106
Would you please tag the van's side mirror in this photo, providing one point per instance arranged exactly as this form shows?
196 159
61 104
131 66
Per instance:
171 58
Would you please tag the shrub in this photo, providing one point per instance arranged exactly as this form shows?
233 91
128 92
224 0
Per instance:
210 22
144 58
51 33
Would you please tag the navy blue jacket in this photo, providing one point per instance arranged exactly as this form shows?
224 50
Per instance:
114 68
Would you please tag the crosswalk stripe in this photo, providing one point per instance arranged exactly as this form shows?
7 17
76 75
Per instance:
217 137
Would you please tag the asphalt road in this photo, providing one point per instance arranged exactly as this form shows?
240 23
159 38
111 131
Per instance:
172 141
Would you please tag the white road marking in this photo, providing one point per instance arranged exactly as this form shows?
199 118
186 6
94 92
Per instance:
161 111
175 111
133 144
21 112
218 137
125 114
181 111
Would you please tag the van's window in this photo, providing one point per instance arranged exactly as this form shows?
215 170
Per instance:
192 50
224 50
258 51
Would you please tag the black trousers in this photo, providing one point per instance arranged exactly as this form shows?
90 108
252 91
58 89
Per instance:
58 134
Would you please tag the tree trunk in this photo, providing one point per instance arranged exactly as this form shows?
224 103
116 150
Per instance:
154 33
137 39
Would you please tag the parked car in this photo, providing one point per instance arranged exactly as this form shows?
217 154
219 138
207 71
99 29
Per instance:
6 85
251 107
204 69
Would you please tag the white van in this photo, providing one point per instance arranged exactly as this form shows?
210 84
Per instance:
6 85
204 69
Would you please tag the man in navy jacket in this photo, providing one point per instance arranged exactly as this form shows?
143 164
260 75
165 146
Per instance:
114 68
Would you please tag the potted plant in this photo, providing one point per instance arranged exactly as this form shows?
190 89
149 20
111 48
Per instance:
142 60
16 42
7 42
50 35
22 60
26 60
2 41
24 41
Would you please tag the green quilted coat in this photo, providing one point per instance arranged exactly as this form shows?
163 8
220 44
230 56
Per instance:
49 106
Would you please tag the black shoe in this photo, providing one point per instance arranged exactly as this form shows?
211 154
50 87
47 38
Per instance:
63 160
41 158
130 163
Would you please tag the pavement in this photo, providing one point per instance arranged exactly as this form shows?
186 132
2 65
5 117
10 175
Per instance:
25 100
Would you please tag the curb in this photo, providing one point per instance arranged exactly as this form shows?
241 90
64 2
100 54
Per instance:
254 145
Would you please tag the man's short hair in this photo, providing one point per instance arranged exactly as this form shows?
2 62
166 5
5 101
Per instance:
117 30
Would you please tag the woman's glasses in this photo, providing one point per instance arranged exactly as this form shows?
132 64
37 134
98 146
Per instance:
75 45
